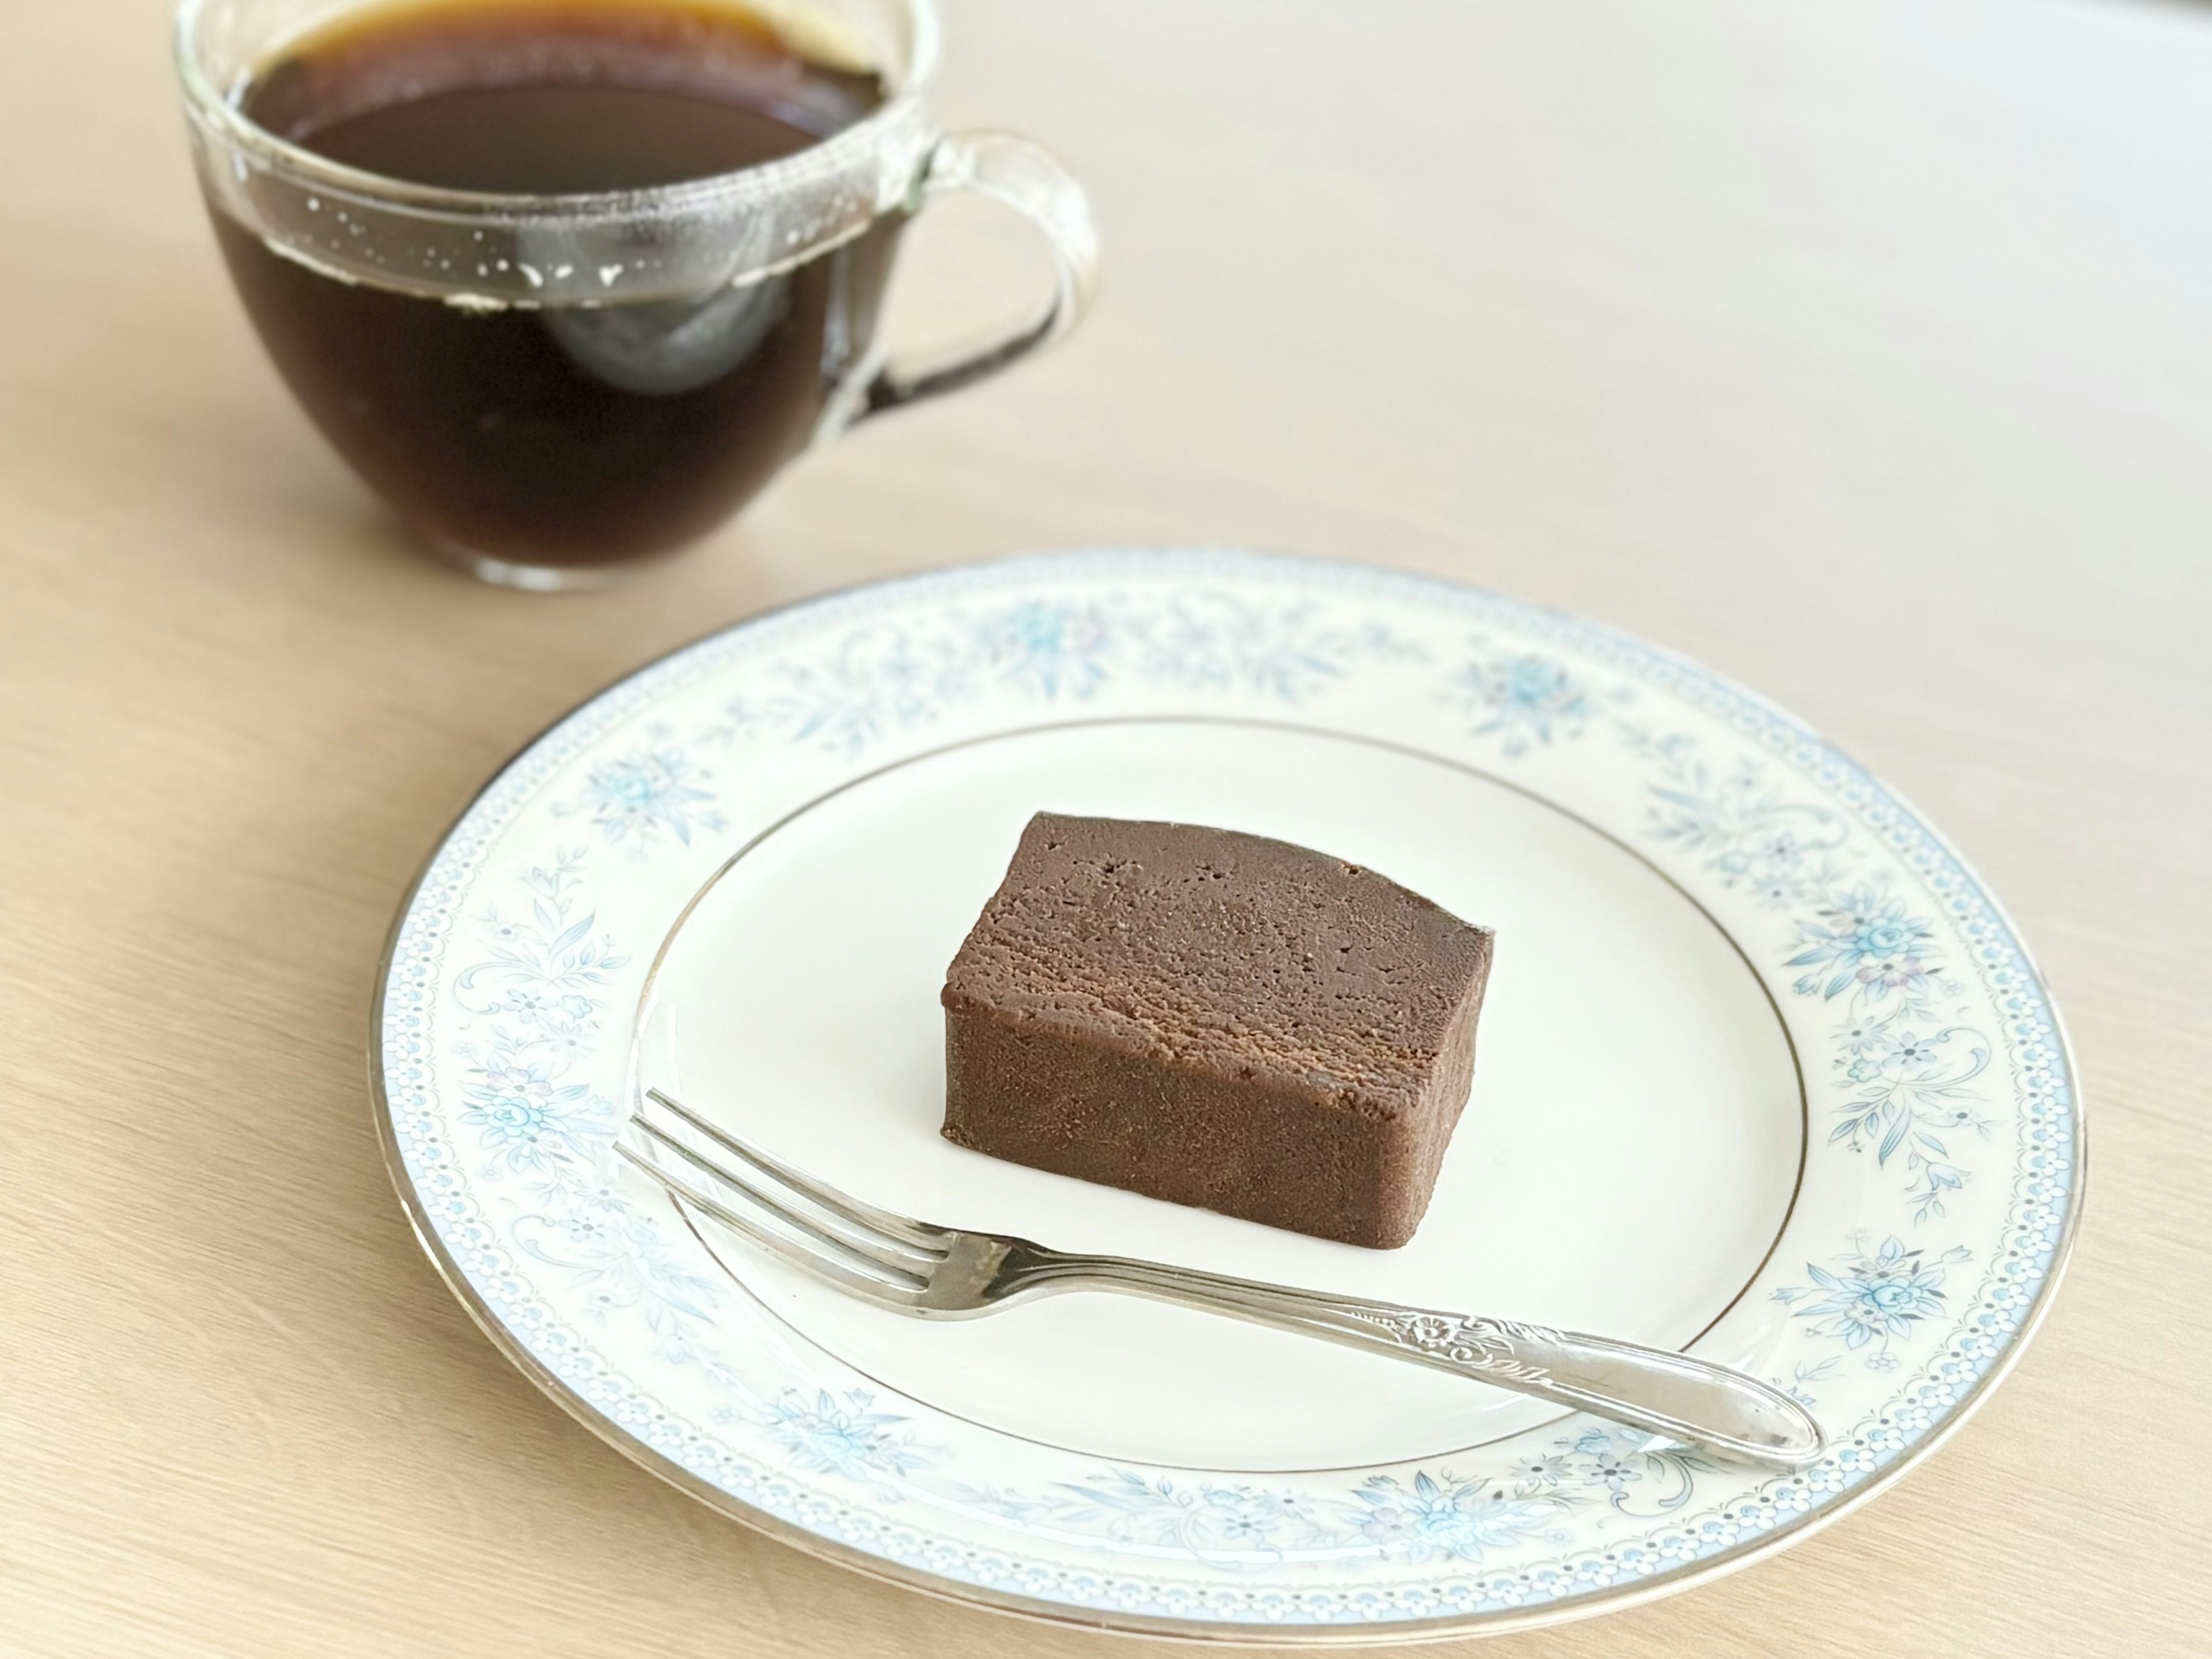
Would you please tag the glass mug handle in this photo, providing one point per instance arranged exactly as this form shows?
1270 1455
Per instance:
1029 179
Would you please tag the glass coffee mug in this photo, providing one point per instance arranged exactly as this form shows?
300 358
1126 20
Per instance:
549 385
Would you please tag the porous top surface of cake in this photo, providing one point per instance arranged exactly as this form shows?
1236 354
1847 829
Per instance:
1225 950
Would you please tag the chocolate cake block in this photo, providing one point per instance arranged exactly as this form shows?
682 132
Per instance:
1216 1019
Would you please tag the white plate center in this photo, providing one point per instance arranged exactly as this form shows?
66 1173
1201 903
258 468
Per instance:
1626 1160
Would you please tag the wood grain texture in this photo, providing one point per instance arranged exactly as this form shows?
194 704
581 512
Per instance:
1862 348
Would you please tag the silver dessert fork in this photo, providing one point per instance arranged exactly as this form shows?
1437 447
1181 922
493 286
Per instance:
949 1273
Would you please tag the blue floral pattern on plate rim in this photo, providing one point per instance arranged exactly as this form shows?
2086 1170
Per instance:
1949 1088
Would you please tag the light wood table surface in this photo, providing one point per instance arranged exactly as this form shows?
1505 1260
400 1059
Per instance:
1862 348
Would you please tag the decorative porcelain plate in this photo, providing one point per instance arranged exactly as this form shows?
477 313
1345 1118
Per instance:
1764 1072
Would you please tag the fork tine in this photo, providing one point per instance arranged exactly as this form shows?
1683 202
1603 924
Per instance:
857 1273
930 1240
887 1255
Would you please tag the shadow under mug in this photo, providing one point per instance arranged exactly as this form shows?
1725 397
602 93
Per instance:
707 331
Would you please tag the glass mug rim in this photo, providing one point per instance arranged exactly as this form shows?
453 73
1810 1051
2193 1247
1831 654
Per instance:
898 117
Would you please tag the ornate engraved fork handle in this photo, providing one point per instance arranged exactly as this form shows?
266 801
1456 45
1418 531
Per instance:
1674 1394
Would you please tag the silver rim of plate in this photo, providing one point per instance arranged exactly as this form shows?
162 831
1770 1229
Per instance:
1941 1171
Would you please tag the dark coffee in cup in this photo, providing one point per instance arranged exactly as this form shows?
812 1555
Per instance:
567 434
569 281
